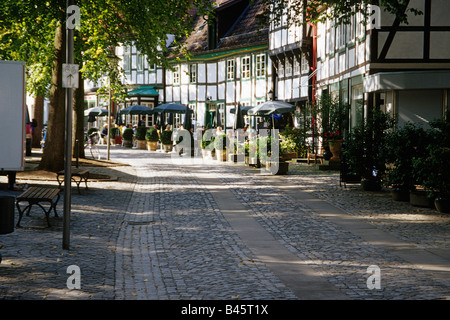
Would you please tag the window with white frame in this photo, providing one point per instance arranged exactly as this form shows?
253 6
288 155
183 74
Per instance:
296 66
305 64
261 65
245 69
280 69
351 29
230 69
192 106
360 26
140 61
193 73
176 75
340 36
126 59
288 67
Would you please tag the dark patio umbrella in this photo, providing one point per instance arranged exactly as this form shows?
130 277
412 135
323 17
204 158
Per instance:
161 119
170 120
238 118
136 109
95 112
187 124
171 108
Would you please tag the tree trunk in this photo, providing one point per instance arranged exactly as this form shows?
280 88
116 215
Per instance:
53 156
78 119
39 116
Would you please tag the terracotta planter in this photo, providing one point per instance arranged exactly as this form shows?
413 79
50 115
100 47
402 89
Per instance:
335 148
127 143
400 194
142 144
221 155
419 199
167 147
152 145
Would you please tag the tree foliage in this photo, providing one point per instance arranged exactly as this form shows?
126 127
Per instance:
33 31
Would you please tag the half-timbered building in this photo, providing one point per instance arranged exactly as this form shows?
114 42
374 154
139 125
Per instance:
228 65
401 68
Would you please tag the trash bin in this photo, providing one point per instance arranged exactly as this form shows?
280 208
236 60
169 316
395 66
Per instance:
6 214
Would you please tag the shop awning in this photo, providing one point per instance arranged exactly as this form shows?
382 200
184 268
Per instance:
407 80
144 91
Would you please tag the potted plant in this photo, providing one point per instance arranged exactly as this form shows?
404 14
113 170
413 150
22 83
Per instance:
363 147
221 143
152 138
334 140
166 140
207 145
253 153
400 148
127 138
140 137
432 170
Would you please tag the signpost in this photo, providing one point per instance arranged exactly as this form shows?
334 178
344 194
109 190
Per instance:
70 81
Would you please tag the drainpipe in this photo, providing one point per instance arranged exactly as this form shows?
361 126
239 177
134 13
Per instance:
314 78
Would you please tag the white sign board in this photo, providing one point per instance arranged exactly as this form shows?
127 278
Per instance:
70 75
12 115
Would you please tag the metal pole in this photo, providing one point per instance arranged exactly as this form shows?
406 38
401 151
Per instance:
109 122
68 143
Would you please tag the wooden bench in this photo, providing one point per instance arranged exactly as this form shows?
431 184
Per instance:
37 195
78 175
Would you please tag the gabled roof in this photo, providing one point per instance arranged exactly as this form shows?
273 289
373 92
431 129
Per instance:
243 31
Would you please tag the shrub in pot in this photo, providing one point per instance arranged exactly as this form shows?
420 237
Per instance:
140 137
166 140
152 138
221 143
401 146
432 170
363 150
127 138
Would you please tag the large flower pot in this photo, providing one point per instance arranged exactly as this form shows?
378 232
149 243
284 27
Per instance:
142 144
221 155
419 198
283 168
127 143
167 147
152 145
335 148
442 205
400 194
254 162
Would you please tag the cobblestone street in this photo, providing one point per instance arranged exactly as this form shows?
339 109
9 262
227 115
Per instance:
167 228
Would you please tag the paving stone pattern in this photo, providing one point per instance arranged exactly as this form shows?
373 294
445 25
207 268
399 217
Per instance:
154 231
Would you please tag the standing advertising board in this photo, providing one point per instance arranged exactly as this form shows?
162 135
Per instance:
12 116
